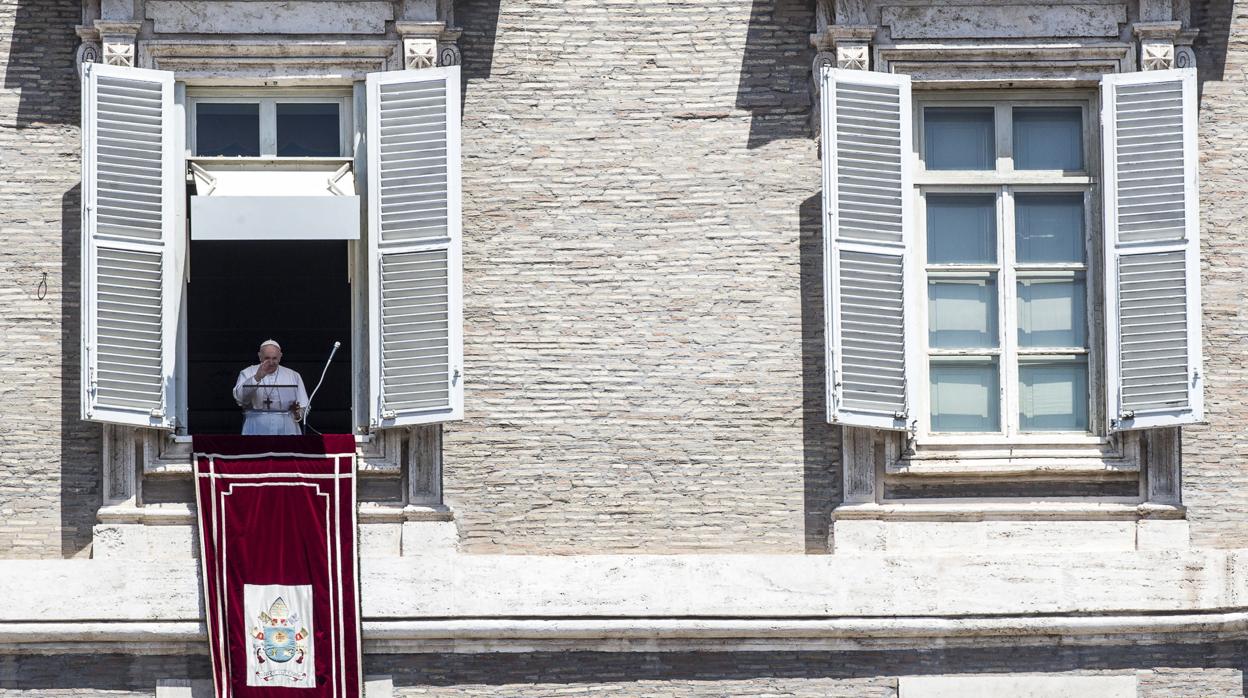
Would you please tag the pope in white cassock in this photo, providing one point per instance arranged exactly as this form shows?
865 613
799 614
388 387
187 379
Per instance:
272 396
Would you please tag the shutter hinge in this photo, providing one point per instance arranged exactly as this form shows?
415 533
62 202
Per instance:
455 377
900 415
158 413
388 414
1127 414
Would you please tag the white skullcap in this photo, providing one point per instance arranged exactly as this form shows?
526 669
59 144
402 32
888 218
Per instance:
270 343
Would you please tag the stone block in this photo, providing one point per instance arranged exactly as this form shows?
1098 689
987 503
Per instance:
183 688
429 537
936 537
292 17
378 687
1025 686
144 542
982 21
1163 535
380 539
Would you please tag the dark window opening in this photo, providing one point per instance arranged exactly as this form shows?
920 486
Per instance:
227 128
244 292
308 129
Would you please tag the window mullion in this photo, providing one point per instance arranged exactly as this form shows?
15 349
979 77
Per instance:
268 128
1005 139
1009 315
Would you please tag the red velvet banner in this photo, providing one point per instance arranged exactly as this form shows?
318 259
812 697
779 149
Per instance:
277 540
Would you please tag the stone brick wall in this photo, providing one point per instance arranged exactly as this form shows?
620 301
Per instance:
1215 473
49 460
642 283
643 319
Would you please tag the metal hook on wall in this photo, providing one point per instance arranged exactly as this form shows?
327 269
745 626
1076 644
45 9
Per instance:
41 291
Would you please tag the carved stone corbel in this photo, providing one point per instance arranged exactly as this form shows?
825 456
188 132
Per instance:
1184 54
448 46
90 50
119 41
1157 44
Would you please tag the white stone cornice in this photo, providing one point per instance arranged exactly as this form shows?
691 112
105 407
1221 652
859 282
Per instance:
848 34
268 62
663 634
1058 64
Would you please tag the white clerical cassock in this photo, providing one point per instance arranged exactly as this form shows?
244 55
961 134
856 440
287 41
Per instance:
266 407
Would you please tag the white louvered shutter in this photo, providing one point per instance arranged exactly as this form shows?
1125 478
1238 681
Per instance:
133 244
1152 249
415 344
868 234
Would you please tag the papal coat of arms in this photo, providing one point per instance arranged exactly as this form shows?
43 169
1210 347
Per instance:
280 652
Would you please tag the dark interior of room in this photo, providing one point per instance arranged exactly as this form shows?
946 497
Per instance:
244 292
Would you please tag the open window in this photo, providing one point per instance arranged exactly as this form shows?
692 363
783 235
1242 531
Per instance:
218 220
970 313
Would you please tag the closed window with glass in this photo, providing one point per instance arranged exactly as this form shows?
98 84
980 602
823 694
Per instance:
1004 198
294 126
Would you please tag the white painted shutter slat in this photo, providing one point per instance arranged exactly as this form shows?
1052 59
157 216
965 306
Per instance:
132 244
1152 248
867 238
416 311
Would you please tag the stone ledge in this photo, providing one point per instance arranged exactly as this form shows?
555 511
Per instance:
979 510
458 586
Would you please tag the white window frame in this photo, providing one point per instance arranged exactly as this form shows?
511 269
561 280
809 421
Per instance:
267 101
1003 182
268 98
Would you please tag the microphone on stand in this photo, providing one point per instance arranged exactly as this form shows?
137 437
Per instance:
308 409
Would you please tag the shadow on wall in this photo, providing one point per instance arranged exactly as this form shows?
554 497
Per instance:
1213 18
40 69
821 471
41 63
80 456
1217 669
479 20
775 70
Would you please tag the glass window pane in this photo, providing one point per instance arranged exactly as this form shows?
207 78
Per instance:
1049 227
959 138
965 395
308 129
1051 313
962 313
1053 395
961 228
1048 138
227 129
